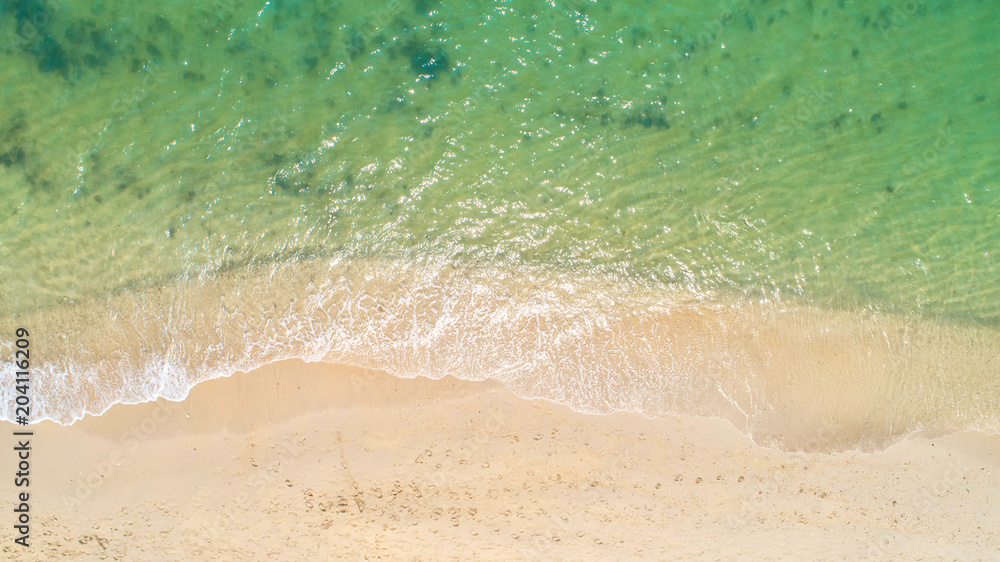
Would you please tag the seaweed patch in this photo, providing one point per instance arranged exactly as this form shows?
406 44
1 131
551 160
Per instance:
430 62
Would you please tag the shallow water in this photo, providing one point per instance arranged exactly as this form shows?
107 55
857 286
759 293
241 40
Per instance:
826 163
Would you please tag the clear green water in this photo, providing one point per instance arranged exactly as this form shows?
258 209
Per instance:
839 155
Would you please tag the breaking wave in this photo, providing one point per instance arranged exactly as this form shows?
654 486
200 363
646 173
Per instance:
789 376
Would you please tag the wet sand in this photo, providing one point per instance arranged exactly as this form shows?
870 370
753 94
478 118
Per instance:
311 461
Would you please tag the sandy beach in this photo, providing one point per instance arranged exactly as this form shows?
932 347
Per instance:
311 461
319 280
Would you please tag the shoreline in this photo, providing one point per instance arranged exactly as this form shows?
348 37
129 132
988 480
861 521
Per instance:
780 373
331 461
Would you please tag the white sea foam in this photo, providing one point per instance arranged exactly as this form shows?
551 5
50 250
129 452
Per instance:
789 376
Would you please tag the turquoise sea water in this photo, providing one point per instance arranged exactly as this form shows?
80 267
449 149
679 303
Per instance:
702 207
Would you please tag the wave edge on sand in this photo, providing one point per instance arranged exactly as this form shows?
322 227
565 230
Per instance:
792 377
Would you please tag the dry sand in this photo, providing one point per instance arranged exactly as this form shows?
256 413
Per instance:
310 462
